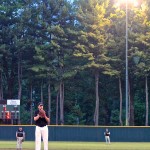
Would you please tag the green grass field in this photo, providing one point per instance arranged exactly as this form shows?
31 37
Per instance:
11 145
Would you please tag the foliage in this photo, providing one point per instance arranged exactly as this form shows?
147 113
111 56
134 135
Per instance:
46 43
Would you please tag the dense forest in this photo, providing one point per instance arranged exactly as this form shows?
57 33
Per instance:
71 56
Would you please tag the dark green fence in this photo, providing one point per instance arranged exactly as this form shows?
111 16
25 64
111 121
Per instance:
81 133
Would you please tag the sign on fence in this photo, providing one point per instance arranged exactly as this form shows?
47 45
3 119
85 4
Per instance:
13 102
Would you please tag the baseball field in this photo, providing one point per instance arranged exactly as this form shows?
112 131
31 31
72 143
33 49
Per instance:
27 145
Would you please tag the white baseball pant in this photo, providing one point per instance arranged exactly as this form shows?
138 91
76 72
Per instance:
107 138
19 142
41 132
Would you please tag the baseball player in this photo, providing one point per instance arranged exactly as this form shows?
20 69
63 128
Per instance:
20 135
41 120
107 136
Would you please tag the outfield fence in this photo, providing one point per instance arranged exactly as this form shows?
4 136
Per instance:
81 133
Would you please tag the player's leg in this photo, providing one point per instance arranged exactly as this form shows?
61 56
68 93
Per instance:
37 138
45 137
106 139
21 143
17 143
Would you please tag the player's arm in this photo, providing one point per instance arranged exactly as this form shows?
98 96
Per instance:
36 117
16 135
47 118
23 135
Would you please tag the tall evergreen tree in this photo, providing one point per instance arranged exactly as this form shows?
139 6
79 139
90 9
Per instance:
91 17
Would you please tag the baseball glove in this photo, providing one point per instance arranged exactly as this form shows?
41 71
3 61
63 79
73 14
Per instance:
42 113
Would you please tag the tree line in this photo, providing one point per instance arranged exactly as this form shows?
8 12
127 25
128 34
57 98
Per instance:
71 56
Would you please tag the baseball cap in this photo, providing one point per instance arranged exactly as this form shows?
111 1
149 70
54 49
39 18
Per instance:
40 103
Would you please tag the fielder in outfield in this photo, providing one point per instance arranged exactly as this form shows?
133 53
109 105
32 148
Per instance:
107 136
41 119
20 136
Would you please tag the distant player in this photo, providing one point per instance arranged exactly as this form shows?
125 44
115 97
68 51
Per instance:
41 120
20 135
107 136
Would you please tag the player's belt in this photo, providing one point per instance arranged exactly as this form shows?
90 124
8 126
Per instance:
42 125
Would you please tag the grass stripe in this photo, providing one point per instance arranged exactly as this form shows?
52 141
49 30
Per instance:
28 145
